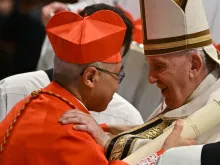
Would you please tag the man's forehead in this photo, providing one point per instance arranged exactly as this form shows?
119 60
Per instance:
164 57
161 58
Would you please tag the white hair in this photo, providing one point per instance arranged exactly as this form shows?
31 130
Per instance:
209 63
68 73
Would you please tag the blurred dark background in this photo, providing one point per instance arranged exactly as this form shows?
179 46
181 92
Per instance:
21 35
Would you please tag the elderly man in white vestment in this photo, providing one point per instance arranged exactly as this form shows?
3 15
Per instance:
184 65
183 61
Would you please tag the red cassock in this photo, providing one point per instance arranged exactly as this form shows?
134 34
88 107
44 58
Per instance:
31 134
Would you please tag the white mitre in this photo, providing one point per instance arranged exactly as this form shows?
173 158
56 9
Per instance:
171 26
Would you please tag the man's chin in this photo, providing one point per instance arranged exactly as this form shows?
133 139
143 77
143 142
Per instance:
102 107
171 104
99 109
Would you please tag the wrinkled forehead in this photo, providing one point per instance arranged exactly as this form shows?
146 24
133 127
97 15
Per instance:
165 57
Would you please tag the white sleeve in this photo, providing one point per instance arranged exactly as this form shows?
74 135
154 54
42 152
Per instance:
119 112
46 57
3 108
8 98
190 155
125 110
15 88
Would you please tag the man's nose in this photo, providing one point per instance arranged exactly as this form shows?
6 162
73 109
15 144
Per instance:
152 78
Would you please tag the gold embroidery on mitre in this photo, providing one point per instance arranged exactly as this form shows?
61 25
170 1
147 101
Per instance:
181 3
174 44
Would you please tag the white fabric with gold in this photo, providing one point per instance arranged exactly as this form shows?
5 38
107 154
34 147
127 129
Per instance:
207 91
193 128
190 31
175 25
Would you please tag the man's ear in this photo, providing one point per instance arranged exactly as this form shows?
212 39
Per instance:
196 65
91 76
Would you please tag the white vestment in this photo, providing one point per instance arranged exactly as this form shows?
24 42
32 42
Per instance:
207 91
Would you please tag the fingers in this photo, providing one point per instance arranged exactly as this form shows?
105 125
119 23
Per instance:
54 7
178 128
70 113
75 117
75 120
83 128
51 8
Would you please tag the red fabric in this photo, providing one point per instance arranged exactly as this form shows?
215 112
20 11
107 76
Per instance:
38 139
137 32
217 46
160 152
81 40
104 127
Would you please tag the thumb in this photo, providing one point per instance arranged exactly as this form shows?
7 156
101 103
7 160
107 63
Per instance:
178 128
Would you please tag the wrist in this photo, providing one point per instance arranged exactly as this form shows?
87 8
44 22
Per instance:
105 140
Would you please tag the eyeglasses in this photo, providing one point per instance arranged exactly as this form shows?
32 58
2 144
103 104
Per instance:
120 75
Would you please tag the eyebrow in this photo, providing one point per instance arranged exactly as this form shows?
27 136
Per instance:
158 61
